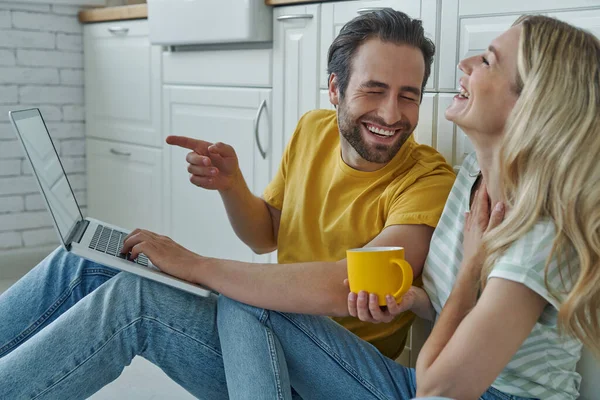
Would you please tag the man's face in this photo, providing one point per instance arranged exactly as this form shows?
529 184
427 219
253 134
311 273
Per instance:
380 108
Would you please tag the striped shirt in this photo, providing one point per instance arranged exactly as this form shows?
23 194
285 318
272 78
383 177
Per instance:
544 365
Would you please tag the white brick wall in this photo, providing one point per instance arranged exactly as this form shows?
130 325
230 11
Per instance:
41 65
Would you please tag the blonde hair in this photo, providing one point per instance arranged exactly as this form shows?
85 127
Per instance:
550 163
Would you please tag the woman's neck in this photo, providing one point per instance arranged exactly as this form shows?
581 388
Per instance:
488 151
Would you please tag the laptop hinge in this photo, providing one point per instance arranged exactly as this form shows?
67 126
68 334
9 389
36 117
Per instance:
77 232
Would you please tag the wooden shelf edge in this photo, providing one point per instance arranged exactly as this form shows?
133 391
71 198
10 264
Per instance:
284 2
136 11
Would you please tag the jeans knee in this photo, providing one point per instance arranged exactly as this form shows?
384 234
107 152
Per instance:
60 258
66 265
227 305
125 287
230 310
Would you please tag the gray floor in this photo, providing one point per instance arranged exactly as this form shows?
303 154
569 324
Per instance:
5 284
142 380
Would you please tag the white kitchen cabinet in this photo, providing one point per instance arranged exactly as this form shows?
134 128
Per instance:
239 117
467 35
219 67
125 184
446 131
478 7
473 36
588 19
295 70
476 34
324 100
468 26
335 15
123 146
122 83
425 131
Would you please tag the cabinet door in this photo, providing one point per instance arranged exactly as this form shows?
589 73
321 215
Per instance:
476 34
469 25
588 19
122 83
196 217
336 14
295 66
478 7
324 100
446 130
464 37
448 139
125 184
425 131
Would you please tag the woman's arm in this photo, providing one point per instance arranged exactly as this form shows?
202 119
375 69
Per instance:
469 347
473 339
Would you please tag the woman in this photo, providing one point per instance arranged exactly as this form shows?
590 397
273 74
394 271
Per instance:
515 292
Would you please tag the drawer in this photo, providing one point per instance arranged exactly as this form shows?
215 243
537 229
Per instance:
227 67
122 84
117 29
125 184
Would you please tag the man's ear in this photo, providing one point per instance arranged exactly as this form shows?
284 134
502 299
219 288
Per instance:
334 93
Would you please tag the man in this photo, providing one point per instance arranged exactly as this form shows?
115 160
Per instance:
350 178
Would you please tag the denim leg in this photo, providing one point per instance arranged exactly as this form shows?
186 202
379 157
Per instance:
254 360
266 351
89 345
495 394
46 292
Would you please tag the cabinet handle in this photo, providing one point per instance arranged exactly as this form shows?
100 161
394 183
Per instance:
294 16
262 152
120 153
368 10
116 30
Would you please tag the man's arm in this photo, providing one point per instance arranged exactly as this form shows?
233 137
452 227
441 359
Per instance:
254 221
216 167
310 288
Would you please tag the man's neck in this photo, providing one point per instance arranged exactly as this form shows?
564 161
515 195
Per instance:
352 159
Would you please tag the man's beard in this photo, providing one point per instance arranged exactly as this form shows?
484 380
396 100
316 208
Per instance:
380 153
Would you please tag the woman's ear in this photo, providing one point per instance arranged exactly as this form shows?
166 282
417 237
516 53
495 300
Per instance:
334 93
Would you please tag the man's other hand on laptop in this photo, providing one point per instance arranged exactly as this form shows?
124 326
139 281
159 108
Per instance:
163 252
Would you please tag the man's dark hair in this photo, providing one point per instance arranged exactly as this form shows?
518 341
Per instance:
389 26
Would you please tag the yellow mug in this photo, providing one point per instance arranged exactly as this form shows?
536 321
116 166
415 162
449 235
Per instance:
379 270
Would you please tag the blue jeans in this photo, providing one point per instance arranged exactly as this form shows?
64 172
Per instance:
266 352
70 327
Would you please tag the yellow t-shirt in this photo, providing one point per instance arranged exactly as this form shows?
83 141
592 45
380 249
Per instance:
329 207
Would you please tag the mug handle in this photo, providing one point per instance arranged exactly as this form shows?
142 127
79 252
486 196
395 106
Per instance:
407 277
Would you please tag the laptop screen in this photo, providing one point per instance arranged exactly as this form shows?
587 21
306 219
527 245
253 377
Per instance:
48 170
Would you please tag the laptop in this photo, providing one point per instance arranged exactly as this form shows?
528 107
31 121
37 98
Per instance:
89 238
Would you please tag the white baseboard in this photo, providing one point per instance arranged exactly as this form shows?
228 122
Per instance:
16 263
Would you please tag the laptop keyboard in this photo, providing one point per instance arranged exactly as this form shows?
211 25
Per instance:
110 241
